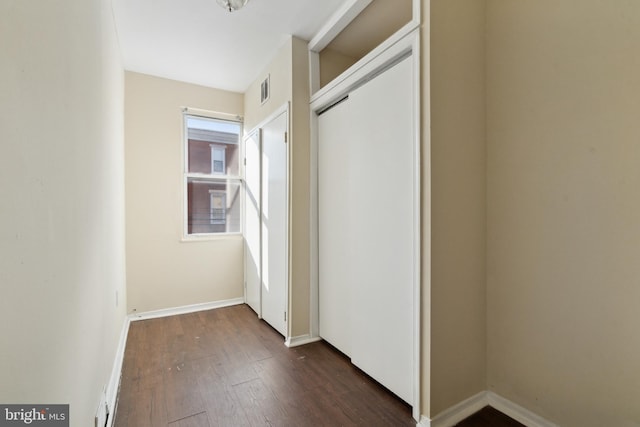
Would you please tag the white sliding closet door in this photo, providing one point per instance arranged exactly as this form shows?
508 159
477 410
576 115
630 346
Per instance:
366 226
274 223
382 234
252 204
334 296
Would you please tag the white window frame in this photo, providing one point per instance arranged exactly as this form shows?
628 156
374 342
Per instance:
231 180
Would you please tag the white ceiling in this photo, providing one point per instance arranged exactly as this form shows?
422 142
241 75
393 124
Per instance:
197 41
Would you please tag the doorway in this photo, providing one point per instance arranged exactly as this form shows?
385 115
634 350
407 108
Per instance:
267 220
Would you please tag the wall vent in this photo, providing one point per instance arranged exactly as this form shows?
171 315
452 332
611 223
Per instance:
265 90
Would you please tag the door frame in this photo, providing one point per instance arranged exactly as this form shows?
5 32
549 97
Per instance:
285 108
404 43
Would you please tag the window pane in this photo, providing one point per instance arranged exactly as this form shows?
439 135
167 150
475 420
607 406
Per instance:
213 206
213 146
218 158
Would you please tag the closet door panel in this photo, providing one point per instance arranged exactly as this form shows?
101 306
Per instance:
252 221
382 228
274 223
334 165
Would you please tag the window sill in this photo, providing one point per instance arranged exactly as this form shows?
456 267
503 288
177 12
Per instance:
210 237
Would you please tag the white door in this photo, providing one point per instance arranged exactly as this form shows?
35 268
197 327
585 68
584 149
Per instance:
366 228
382 230
275 223
334 293
252 200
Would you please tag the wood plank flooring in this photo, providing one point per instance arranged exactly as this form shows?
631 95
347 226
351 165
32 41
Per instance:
225 367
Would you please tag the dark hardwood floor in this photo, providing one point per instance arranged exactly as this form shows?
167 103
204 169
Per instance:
225 367
489 417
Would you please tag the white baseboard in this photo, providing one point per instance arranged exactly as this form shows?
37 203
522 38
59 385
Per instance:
517 412
185 309
301 340
466 408
116 371
457 413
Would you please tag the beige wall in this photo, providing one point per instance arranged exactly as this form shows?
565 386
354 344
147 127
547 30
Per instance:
300 195
289 76
332 64
162 270
61 203
457 307
563 236
280 73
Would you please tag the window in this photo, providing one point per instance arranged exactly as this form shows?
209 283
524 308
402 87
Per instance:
212 176
218 155
218 214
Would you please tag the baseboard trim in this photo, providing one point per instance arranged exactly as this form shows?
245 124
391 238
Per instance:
301 340
458 412
185 309
517 412
452 416
116 371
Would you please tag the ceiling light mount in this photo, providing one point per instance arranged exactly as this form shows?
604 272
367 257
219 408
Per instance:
232 5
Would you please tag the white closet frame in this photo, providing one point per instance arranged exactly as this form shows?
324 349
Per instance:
404 41
285 108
